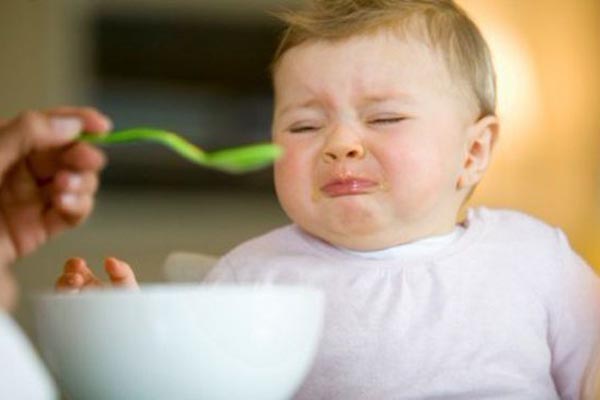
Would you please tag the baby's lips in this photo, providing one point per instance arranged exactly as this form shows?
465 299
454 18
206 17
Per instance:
348 186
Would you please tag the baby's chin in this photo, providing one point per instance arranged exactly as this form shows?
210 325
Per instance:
362 244
358 237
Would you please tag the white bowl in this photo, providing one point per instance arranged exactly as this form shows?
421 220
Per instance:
181 342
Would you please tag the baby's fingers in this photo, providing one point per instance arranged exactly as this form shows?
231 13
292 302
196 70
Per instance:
69 282
120 273
76 276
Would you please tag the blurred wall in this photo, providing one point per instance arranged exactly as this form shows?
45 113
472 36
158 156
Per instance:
39 64
547 161
45 44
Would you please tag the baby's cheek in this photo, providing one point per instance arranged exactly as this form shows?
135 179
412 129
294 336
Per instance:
418 178
284 170
290 191
290 175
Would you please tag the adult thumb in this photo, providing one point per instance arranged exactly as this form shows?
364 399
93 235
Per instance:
34 130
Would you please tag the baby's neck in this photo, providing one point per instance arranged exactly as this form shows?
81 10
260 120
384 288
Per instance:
416 248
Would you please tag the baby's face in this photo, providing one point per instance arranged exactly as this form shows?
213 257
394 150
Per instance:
374 137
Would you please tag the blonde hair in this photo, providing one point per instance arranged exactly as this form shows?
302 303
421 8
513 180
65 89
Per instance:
441 23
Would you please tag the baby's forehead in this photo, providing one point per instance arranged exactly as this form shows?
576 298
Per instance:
373 58
412 47
361 81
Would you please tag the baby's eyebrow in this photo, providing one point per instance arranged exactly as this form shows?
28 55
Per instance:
391 97
310 103
367 100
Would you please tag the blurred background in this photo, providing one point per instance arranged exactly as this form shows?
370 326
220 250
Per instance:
200 67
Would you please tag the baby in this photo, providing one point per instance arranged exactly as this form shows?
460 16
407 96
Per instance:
386 113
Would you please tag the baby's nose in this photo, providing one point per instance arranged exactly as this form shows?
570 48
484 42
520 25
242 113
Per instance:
343 142
337 150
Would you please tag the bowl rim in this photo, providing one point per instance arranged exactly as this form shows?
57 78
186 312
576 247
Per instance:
172 289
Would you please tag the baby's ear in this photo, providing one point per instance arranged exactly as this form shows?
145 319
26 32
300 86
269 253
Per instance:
481 137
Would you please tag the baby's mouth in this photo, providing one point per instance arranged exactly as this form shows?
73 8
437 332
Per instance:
348 187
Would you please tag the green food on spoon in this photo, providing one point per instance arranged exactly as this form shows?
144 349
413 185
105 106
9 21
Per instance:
235 160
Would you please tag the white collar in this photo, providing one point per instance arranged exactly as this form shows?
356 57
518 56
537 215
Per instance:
414 249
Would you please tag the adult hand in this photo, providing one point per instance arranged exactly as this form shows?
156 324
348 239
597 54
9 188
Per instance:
47 181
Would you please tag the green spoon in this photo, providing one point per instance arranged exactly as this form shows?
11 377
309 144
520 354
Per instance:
235 160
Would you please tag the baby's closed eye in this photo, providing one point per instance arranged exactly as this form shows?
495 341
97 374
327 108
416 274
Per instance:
386 119
302 128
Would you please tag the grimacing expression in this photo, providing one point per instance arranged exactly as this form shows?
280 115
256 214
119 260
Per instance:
375 139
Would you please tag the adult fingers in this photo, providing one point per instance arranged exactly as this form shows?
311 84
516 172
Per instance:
77 156
83 156
71 199
120 273
19 185
68 210
76 183
36 130
31 131
93 120
21 204
74 208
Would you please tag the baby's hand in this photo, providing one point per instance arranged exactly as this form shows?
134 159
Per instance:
77 275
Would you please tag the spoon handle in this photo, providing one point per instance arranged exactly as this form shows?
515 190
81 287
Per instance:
169 139
233 160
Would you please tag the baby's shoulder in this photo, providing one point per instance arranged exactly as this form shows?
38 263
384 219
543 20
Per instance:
283 240
514 238
514 243
275 255
506 225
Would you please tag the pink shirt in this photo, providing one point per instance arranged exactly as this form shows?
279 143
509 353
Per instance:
503 309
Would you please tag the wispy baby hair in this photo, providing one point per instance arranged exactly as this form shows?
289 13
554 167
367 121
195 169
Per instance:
442 24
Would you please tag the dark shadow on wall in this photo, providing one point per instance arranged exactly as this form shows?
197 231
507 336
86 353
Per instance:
205 78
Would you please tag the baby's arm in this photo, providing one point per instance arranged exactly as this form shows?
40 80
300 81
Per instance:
574 323
77 275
